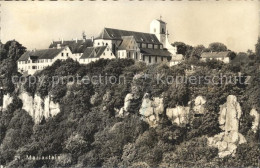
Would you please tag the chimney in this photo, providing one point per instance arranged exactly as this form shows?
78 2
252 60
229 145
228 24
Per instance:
62 41
58 46
76 40
92 39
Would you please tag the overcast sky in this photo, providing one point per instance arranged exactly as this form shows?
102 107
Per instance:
36 24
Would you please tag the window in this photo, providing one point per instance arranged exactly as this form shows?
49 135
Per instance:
161 58
128 55
136 55
143 58
67 54
155 58
98 44
62 54
150 60
111 54
106 44
103 53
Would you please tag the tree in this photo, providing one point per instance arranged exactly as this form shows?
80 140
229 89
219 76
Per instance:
257 49
76 145
14 49
183 49
217 47
197 51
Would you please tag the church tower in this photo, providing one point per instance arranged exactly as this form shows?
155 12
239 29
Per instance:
158 27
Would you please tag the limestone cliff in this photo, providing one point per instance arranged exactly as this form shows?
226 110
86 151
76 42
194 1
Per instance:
151 109
255 123
227 141
35 106
7 99
179 115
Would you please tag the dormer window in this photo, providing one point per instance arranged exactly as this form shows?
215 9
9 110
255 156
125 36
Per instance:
142 39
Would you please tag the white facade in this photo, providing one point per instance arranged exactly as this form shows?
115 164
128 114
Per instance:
106 54
223 59
33 65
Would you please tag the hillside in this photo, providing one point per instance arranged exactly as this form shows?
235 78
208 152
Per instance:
145 119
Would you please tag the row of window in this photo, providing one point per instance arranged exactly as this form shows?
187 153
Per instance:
34 67
35 61
105 53
62 54
88 60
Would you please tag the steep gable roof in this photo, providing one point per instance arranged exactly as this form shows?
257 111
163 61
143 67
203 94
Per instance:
116 34
126 42
41 54
222 54
93 52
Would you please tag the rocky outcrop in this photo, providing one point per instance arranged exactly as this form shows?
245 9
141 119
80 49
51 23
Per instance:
227 141
179 115
151 109
129 97
7 99
255 123
38 107
199 104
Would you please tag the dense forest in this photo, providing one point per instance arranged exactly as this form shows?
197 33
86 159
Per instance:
88 133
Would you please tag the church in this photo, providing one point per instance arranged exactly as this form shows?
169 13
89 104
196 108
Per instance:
151 48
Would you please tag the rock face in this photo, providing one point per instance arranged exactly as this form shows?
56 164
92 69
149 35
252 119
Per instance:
178 115
199 103
7 99
38 107
127 103
227 141
255 123
151 109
